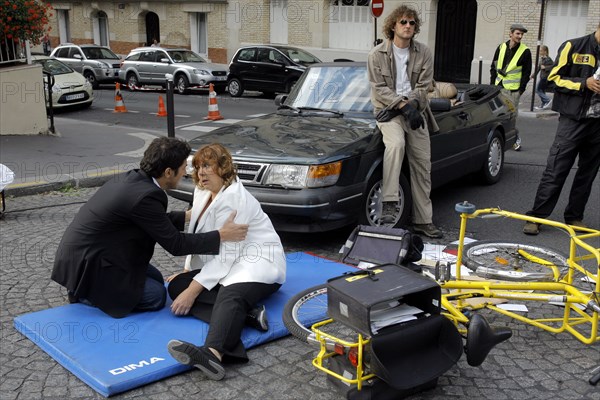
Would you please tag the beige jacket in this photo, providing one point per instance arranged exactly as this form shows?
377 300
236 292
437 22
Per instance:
382 76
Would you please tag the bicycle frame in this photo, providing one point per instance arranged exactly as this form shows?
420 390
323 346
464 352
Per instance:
560 290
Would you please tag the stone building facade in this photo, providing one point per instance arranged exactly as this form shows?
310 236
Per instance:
328 28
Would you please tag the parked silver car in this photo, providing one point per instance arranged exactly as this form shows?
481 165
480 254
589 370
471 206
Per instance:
97 63
148 66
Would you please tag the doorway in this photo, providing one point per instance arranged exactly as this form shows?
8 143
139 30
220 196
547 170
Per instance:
455 40
152 28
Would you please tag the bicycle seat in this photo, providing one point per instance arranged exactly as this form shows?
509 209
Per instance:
481 338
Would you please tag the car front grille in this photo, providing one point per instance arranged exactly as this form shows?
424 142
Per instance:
219 73
251 172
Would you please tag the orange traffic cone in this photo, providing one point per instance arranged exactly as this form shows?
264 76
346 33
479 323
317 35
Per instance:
162 112
213 107
119 105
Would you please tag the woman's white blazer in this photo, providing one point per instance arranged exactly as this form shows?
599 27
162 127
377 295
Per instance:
259 258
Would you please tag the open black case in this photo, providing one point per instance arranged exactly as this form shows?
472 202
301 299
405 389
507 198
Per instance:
407 355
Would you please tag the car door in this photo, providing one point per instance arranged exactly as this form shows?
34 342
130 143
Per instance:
161 68
243 67
269 73
462 137
145 66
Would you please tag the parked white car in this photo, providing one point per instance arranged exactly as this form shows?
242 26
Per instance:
148 66
70 87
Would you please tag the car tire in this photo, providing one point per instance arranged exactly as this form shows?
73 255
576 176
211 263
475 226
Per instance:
181 84
132 81
91 78
372 202
491 172
235 87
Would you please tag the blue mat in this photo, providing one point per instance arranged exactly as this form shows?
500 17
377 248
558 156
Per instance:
116 355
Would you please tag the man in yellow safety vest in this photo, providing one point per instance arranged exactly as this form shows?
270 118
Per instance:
511 67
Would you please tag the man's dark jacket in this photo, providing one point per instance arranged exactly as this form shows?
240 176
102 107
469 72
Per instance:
576 61
104 253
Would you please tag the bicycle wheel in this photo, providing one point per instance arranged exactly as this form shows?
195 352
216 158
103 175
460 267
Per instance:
514 261
305 309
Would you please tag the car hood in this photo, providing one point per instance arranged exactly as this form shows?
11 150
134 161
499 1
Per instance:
67 80
293 138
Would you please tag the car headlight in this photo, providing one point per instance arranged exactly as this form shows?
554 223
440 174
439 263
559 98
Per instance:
201 72
304 176
189 168
56 89
87 84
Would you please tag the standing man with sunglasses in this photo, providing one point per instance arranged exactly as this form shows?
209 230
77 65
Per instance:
401 72
511 68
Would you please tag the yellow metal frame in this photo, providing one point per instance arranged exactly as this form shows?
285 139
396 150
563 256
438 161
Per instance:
559 290
325 354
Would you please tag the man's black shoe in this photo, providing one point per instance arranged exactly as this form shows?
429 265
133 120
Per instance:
257 318
199 357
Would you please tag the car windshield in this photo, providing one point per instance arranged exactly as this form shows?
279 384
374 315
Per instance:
300 56
54 67
185 56
99 53
335 88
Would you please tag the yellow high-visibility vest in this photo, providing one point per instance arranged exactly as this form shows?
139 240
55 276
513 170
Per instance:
514 72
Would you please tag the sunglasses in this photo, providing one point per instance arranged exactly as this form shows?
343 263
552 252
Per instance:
411 22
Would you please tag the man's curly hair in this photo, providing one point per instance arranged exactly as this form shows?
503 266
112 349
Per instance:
396 15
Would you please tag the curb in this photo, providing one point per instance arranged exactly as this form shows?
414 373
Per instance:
78 180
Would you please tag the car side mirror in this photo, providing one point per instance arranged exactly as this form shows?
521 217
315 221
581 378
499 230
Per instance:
165 60
280 99
77 56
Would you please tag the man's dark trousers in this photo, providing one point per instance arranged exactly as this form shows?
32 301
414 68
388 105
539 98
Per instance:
572 138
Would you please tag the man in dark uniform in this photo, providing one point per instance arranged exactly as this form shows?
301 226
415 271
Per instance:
578 131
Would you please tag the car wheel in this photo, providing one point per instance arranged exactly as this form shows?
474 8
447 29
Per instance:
91 78
132 81
181 84
494 161
373 201
235 87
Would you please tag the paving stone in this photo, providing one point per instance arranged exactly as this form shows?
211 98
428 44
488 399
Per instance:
533 364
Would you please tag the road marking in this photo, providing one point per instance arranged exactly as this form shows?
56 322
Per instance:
199 128
255 115
129 111
139 152
228 121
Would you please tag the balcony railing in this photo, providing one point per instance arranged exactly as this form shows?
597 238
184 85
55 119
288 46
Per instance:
11 51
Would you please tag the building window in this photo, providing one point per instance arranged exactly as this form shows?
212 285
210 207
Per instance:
100 27
64 29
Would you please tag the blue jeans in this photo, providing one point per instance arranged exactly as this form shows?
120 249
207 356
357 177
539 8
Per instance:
155 294
540 90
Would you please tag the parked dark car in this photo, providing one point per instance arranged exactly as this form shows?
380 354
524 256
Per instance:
315 164
267 69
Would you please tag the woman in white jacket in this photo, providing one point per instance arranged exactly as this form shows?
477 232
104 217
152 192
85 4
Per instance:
223 290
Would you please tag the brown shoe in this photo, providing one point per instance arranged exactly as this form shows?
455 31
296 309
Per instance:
531 228
429 230
576 222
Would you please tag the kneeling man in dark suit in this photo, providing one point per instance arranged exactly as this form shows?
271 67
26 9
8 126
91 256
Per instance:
104 256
